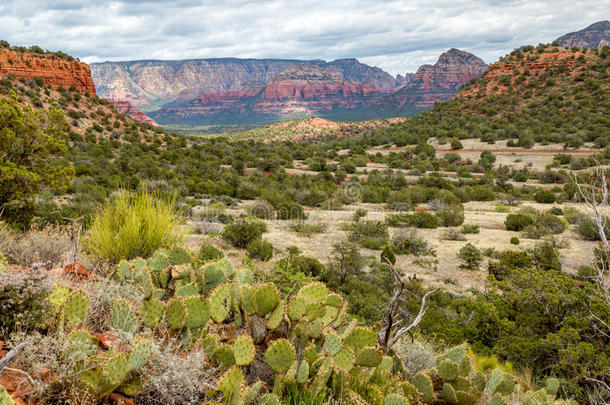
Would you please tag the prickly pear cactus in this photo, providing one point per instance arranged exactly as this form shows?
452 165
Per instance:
280 355
76 308
123 318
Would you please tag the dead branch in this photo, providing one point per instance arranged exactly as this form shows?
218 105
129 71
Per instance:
6 361
389 335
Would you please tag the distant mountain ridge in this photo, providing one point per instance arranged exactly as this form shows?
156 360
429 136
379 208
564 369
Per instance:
594 36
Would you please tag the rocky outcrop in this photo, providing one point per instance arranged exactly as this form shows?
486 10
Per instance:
149 85
402 80
431 84
594 36
125 107
54 70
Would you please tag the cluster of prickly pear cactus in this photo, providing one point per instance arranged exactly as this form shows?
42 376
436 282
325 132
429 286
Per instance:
456 381
308 341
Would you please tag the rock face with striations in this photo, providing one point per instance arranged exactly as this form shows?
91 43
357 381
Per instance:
431 84
125 107
594 36
54 70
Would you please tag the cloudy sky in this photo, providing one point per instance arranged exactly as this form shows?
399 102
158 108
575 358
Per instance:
397 36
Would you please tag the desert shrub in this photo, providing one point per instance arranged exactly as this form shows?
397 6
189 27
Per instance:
244 231
175 377
587 228
555 211
453 234
470 256
514 240
209 253
260 249
369 234
47 246
296 262
502 208
471 228
573 215
130 226
346 260
261 209
545 257
554 224
387 255
399 201
456 144
359 214
307 229
290 210
518 221
408 242
23 300
451 216
415 356
419 219
545 196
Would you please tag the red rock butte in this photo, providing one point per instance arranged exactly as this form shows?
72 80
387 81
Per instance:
53 69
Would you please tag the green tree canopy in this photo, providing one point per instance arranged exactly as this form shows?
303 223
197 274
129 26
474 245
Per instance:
32 152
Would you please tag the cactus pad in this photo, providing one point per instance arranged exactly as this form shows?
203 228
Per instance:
265 298
303 372
314 292
122 316
552 386
187 290
198 312
179 256
280 355
501 383
251 392
334 300
76 308
369 357
176 313
345 358
395 399
220 302
447 370
230 385
139 354
243 350
448 392
277 316
296 308
423 384
360 338
214 275
152 311
224 357
332 343
315 310
269 399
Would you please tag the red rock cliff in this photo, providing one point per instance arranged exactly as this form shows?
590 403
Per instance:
54 70
125 107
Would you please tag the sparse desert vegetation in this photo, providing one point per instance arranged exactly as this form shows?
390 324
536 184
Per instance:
455 257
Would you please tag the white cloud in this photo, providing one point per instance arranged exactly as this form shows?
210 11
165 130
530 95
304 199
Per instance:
397 36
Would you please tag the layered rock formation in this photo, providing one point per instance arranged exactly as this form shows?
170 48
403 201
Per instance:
125 107
54 70
594 36
431 84
254 91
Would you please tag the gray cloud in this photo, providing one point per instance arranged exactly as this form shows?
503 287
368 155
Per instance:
397 36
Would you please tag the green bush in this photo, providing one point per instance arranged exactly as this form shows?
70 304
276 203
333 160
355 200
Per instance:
260 249
451 216
518 222
470 256
290 210
514 240
242 232
420 219
209 253
471 228
545 197
410 243
130 226
369 234
587 228
23 300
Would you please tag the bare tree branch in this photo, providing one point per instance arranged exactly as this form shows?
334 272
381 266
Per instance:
6 361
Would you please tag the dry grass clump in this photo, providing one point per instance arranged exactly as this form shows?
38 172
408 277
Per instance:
102 293
46 247
130 226
45 358
416 356
175 377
